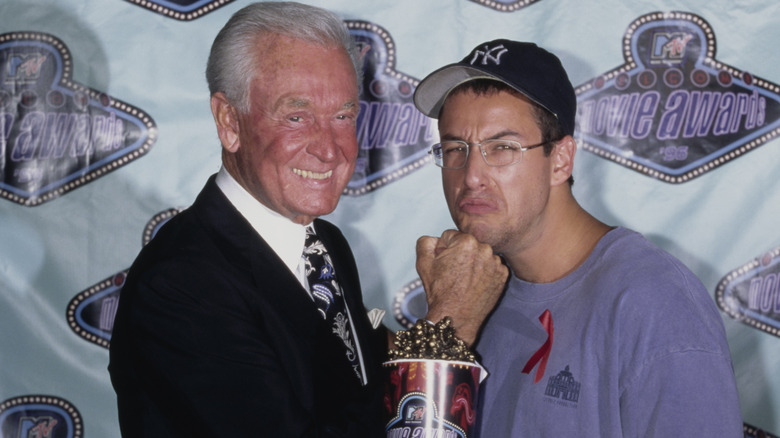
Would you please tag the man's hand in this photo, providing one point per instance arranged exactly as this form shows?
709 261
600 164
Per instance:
463 279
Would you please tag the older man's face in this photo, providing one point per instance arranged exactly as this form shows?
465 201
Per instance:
296 146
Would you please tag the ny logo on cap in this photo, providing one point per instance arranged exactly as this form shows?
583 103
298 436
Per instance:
489 54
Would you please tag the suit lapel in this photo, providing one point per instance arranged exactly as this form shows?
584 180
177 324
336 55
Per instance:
282 306
298 334
304 341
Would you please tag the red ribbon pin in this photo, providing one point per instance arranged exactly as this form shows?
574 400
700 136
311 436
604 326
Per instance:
543 353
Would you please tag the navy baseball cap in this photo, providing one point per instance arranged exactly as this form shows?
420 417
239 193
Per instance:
526 67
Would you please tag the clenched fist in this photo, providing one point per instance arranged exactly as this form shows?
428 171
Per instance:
463 279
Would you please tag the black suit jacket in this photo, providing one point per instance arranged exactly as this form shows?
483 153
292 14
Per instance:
214 336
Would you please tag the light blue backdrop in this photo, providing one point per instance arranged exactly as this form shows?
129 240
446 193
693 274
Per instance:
49 253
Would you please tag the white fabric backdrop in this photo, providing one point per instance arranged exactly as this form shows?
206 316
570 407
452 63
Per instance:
51 252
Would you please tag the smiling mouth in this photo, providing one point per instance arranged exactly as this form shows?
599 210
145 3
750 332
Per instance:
312 175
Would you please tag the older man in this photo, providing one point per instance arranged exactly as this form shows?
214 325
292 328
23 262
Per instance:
244 315
600 333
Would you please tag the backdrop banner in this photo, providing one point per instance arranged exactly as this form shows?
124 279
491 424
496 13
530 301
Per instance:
106 133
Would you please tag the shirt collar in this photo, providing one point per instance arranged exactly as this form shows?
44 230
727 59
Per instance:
285 237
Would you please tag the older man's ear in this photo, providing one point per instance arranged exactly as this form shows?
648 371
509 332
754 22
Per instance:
226 118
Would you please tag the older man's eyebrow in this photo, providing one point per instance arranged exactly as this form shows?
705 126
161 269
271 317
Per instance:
298 103
349 105
295 102
291 102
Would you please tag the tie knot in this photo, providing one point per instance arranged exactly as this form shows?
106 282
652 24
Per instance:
312 243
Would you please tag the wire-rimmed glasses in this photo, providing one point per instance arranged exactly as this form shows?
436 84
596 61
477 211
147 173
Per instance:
453 154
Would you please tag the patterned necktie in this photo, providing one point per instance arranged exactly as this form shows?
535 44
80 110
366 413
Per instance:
327 294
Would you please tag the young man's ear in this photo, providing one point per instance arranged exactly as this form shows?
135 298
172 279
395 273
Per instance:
562 157
226 118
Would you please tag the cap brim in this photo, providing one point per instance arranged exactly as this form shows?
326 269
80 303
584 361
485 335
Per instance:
430 94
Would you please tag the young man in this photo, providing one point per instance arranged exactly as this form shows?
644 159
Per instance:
599 333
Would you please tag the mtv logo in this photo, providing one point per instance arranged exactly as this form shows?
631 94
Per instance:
669 47
415 413
41 427
23 67
39 416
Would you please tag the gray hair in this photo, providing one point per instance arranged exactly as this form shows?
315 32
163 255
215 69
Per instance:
232 63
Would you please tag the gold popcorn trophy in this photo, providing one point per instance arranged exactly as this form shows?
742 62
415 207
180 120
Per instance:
432 384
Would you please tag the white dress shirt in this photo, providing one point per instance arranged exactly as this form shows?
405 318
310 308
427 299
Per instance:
285 237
